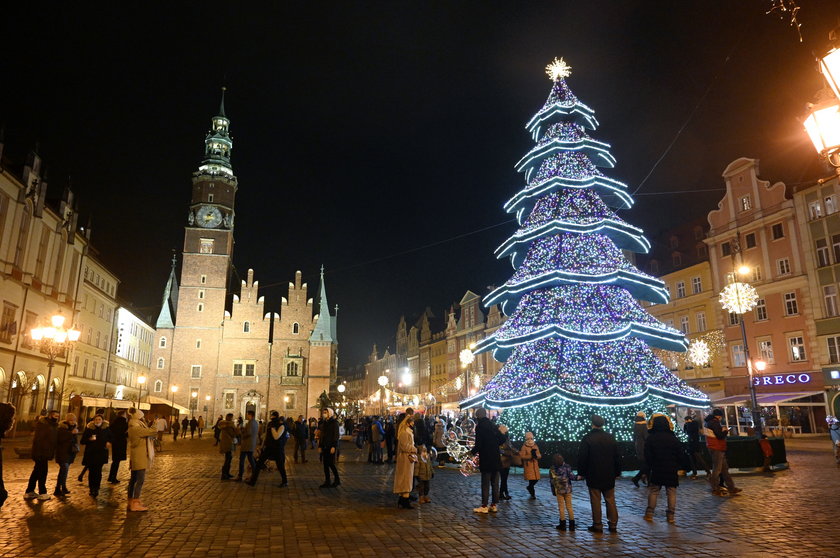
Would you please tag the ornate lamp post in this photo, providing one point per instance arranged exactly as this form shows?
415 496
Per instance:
739 298
823 121
382 381
53 341
467 357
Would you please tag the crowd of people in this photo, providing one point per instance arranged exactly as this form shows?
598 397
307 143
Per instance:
411 441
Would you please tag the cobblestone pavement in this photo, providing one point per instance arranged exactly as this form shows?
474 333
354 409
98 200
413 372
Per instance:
193 513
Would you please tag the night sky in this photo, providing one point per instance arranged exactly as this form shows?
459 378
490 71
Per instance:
379 138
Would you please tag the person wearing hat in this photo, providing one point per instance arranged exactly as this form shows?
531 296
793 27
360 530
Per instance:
599 464
138 454
328 447
640 434
716 442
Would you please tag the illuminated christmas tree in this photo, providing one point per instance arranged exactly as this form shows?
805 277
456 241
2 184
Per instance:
576 341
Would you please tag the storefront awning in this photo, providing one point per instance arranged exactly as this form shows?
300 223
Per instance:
161 401
769 399
104 403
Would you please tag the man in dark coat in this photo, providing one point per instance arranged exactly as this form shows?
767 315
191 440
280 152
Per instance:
301 438
599 463
328 446
695 447
119 441
43 450
97 440
7 421
488 438
663 456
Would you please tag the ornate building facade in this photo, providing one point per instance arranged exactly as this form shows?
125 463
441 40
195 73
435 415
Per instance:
218 352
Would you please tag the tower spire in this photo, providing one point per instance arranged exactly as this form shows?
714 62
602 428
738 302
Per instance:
170 299
218 145
325 327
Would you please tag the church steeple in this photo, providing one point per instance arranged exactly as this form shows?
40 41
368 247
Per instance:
325 329
218 145
170 300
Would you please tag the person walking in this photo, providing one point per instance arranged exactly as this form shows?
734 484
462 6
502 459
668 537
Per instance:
44 442
599 464
663 456
301 438
216 432
250 435
141 454
313 427
97 442
716 442
488 438
695 446
66 448
185 424
640 434
227 432
200 425
7 421
406 458
390 438
530 454
160 427
119 442
273 448
193 427
328 446
176 428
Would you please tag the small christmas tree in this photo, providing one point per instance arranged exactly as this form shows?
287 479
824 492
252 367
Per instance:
576 340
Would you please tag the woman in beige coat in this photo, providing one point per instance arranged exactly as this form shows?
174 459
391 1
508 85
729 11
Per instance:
138 444
406 458
530 454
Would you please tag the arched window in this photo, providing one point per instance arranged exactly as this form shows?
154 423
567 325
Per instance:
295 328
292 369
160 363
158 386
246 327
162 343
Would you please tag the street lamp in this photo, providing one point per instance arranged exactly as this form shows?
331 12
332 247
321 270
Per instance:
140 380
53 341
739 298
823 121
341 388
174 390
382 381
466 357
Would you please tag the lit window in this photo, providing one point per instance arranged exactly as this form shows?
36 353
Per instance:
814 210
833 349
684 324
756 273
797 349
680 289
745 203
830 205
206 246
765 350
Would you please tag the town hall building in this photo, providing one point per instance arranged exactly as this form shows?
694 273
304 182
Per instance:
217 352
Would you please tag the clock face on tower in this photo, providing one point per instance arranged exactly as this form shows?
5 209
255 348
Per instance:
208 217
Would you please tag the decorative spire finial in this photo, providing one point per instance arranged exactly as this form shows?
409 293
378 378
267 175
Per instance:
558 69
222 105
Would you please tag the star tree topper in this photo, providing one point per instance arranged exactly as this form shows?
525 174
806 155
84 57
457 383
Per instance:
558 69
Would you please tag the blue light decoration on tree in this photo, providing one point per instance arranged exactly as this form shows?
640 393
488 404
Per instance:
576 341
